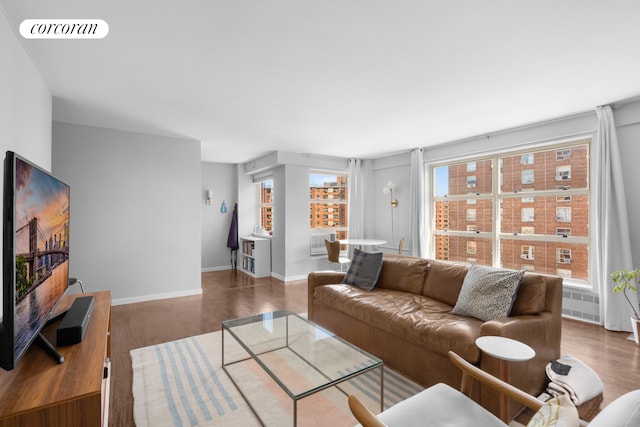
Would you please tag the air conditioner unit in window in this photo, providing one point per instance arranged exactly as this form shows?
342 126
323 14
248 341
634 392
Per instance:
317 242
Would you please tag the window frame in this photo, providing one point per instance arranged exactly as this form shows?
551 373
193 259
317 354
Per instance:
341 231
564 150
261 204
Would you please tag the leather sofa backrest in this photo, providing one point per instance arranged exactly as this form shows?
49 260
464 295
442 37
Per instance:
403 273
444 280
530 298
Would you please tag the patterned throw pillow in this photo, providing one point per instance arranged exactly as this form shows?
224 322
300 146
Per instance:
364 269
487 293
557 412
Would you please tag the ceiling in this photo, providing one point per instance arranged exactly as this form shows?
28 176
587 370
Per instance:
349 78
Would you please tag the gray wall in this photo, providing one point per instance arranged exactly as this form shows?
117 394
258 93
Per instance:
221 179
135 210
25 106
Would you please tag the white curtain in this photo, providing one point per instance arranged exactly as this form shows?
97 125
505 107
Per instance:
356 205
417 204
611 247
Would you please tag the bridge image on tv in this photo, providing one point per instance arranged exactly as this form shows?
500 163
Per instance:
41 244
37 265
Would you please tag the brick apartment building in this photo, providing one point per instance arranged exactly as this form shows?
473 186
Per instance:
536 200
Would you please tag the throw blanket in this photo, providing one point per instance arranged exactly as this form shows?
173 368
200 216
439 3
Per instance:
581 382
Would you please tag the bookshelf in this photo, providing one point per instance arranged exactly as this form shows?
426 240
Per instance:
255 253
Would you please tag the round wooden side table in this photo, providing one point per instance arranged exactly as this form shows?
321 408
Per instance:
505 350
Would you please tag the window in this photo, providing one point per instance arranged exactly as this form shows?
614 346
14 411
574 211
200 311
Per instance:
563 256
563 173
471 181
528 214
265 205
528 230
471 167
527 252
543 227
472 248
328 206
526 176
527 159
563 214
471 214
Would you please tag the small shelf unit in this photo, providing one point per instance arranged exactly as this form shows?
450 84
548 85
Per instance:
255 253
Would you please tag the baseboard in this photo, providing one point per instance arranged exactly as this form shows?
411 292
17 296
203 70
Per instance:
224 267
152 297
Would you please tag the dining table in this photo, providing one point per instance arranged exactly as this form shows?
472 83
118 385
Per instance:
360 243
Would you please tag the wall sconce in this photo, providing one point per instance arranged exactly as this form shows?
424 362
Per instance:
389 189
209 196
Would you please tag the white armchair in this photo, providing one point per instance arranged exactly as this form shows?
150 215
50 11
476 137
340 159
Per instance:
442 405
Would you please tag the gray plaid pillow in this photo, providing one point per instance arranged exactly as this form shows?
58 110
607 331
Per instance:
364 269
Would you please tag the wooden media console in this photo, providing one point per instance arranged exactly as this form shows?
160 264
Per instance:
40 392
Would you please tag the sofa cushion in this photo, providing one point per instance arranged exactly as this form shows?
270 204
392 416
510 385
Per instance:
364 269
418 319
444 280
403 273
439 405
429 324
487 292
531 295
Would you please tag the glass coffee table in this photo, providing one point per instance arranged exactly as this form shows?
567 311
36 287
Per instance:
301 357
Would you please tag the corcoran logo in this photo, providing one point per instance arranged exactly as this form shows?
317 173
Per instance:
64 29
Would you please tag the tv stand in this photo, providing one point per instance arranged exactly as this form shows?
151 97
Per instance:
49 348
75 393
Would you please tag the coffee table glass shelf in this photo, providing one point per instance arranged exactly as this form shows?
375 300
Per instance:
301 357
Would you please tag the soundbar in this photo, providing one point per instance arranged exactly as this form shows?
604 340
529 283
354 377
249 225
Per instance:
75 322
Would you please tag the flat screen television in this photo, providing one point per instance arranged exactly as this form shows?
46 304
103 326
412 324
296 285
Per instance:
35 254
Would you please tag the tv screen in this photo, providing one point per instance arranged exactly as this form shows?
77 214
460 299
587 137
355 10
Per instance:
35 253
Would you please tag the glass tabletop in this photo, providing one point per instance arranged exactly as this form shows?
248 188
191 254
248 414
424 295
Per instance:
299 355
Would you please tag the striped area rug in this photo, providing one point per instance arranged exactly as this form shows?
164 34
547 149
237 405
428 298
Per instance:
182 383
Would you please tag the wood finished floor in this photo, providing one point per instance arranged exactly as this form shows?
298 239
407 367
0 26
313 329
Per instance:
228 295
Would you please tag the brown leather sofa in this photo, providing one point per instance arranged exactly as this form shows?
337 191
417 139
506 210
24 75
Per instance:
406 321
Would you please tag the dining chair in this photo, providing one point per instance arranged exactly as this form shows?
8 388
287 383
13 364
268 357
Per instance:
333 254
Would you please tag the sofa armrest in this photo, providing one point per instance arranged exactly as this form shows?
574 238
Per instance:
319 278
516 327
540 332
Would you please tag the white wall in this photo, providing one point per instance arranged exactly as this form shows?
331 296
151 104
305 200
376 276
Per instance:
25 106
135 211
25 103
395 168
221 179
